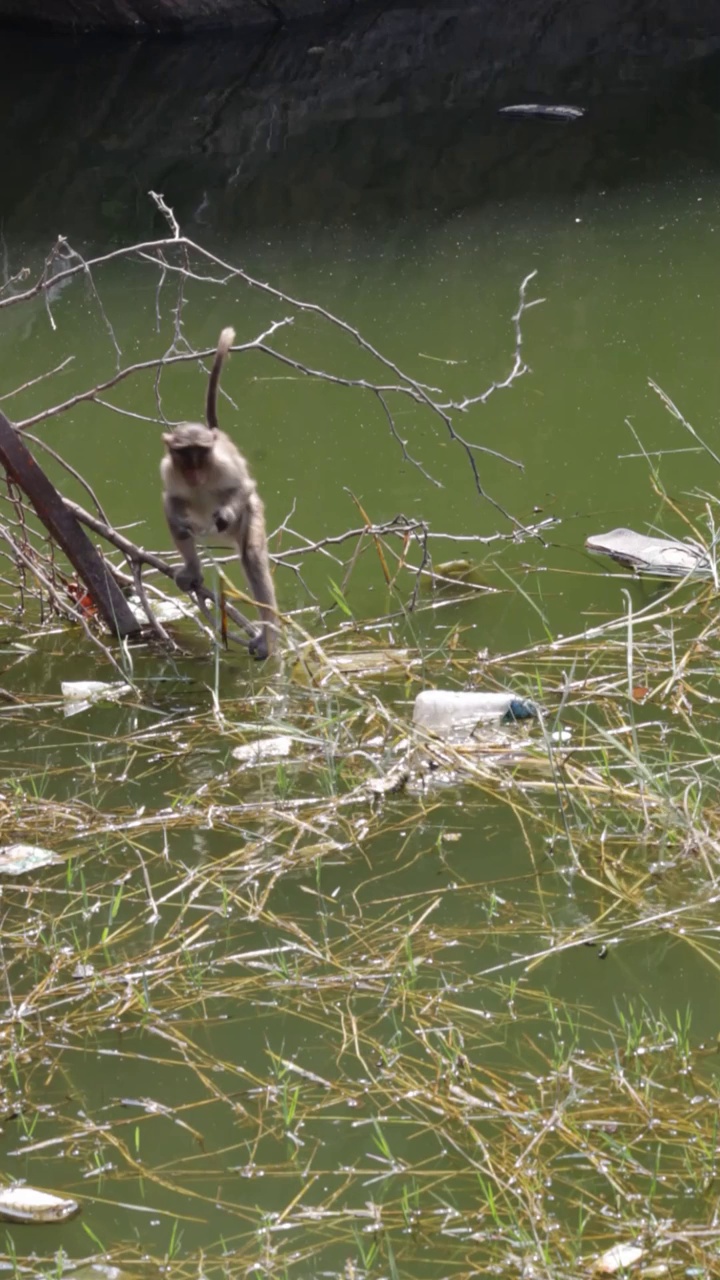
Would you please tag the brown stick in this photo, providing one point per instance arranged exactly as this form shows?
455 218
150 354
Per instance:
65 529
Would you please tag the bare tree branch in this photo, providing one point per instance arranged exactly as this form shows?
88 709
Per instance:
183 257
180 260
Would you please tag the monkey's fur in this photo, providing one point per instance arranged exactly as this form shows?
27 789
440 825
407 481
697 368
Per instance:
208 490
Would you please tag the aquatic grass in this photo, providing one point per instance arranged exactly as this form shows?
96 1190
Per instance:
351 1031
329 1037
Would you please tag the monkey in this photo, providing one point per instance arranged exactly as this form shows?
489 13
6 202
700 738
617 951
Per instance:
208 490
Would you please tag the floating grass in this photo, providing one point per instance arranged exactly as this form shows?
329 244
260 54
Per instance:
312 993
296 993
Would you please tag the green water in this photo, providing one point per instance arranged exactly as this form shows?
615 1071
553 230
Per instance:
629 276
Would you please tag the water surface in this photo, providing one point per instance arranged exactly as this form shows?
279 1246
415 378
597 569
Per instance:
625 247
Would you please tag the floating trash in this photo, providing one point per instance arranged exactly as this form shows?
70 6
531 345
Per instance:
92 690
392 782
163 610
448 712
264 749
618 1258
540 109
16 859
94 1271
472 726
79 694
644 554
561 736
311 664
25 1204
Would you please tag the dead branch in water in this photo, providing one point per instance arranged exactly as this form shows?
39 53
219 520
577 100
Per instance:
64 528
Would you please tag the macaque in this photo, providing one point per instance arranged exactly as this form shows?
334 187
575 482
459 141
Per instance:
208 492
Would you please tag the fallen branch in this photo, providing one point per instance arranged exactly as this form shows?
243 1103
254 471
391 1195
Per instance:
63 526
138 556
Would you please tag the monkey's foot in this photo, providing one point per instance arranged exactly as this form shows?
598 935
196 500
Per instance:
258 646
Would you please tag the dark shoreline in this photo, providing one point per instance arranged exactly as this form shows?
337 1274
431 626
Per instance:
391 111
615 22
142 18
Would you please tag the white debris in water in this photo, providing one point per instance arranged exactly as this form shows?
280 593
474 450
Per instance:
561 735
264 749
163 610
452 711
542 109
617 1258
26 1204
16 859
79 694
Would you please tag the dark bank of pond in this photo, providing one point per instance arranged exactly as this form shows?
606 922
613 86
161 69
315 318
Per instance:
256 1020
666 21
384 115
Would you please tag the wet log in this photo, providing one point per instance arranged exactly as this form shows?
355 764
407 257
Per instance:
660 556
64 528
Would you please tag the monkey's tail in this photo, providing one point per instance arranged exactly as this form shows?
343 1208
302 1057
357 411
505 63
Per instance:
225 341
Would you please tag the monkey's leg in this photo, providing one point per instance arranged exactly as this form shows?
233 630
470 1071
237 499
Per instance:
252 548
189 575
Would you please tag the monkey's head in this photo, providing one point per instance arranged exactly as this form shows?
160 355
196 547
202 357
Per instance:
190 445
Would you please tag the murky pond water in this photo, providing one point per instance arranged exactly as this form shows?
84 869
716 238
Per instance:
252 1023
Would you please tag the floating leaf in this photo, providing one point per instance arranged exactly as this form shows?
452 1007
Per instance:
461 571
337 594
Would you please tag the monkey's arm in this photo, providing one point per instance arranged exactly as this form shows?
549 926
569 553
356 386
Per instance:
252 548
189 575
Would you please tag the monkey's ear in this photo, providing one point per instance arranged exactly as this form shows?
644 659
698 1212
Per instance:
168 439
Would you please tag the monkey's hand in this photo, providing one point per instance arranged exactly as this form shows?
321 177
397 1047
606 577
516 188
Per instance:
188 577
223 518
